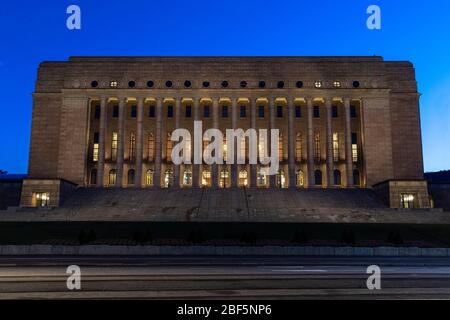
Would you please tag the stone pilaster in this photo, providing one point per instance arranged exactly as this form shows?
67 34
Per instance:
234 166
176 168
215 167
310 143
196 167
101 144
158 143
348 144
139 142
120 143
291 142
329 131
253 167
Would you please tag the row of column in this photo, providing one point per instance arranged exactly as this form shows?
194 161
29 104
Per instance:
215 167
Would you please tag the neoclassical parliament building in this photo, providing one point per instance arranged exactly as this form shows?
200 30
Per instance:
344 123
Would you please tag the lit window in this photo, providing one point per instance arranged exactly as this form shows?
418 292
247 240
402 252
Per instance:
261 178
132 154
96 146
41 199
151 146
298 147
317 147
280 147
354 147
243 178
224 149
168 178
149 177
169 148
318 84
114 146
407 201
224 178
112 177
281 180
262 147
113 84
300 178
206 178
187 178
335 147
337 84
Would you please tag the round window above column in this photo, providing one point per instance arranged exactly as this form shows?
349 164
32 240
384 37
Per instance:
94 84
131 84
169 84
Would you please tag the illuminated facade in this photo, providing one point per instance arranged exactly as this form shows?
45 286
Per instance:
345 122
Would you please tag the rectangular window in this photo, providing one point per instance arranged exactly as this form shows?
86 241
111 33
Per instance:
133 111
206 112
354 147
261 111
335 147
114 146
298 111
151 111
243 112
41 199
316 112
334 111
188 111
352 111
224 111
97 112
151 147
115 111
408 201
95 149
169 111
279 111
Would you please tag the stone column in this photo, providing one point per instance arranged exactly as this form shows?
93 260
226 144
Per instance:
310 143
291 142
120 143
348 144
234 167
139 142
158 143
101 144
215 167
176 169
253 167
196 167
330 173
272 110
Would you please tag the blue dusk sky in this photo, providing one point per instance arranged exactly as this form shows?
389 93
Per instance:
35 31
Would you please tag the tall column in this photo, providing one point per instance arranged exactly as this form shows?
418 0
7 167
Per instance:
101 144
310 145
215 167
120 143
330 173
291 143
196 167
253 167
234 166
176 171
348 144
272 107
139 142
158 139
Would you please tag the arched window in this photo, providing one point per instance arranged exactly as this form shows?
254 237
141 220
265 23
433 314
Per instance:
243 178
261 178
149 177
151 147
206 178
93 177
187 178
224 178
300 178
280 147
337 178
168 178
169 148
356 178
131 177
318 178
298 147
112 177
281 179
132 146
